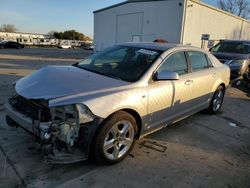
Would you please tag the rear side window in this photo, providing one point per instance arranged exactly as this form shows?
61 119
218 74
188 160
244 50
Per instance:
175 63
198 61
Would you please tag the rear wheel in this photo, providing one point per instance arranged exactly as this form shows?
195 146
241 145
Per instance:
217 100
115 139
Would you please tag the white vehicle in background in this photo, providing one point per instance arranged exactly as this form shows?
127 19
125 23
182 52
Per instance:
65 46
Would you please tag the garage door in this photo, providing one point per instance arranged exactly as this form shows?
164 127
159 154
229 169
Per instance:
129 27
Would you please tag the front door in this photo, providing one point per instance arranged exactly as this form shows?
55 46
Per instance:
170 99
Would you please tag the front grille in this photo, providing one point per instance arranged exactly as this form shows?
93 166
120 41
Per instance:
35 109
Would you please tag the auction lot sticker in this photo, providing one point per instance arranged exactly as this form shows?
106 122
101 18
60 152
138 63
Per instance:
147 52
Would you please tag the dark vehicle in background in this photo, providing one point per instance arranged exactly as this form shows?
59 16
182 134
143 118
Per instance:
11 44
235 54
87 46
246 78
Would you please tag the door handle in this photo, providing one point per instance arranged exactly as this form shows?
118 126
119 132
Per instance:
188 82
214 75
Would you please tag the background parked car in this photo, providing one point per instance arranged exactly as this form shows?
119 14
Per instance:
11 44
90 47
235 54
65 46
246 78
87 46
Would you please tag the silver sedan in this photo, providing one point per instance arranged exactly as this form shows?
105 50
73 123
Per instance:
98 107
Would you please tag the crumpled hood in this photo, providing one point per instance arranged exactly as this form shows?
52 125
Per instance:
58 81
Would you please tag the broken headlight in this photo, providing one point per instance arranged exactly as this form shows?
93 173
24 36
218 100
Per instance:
84 114
235 62
78 113
66 121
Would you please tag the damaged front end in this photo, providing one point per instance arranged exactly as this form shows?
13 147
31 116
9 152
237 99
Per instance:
63 132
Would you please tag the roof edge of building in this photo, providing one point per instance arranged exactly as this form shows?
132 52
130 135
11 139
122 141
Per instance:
123 3
24 33
195 1
219 10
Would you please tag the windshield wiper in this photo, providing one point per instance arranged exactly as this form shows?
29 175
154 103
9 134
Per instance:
78 66
109 75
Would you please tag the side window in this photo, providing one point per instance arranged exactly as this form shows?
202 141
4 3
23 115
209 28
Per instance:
175 63
198 61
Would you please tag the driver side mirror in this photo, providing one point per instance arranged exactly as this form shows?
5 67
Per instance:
166 75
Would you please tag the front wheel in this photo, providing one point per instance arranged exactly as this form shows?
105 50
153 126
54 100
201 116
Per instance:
115 138
217 100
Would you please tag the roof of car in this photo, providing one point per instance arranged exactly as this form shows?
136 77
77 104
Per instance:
151 45
237 41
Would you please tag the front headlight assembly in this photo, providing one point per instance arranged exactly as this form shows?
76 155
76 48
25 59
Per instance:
84 114
77 113
235 62
66 121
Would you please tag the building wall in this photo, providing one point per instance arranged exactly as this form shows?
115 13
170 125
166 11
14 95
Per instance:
160 19
204 19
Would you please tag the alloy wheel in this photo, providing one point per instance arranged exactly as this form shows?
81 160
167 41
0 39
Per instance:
218 98
119 140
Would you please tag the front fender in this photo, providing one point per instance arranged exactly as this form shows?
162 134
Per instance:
102 105
107 105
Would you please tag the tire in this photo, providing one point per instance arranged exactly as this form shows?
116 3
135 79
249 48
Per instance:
217 100
118 134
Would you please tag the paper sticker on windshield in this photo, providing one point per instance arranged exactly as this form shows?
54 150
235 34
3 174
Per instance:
147 52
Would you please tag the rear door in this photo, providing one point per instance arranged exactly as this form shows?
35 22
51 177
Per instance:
203 77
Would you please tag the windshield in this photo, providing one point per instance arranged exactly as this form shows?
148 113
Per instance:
234 47
121 62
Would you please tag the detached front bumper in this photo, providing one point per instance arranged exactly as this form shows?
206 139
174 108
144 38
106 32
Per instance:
53 154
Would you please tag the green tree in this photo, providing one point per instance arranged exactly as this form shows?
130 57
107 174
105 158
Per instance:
8 28
52 32
71 35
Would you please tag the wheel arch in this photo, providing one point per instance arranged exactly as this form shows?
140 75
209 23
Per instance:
133 113
218 84
223 85
138 119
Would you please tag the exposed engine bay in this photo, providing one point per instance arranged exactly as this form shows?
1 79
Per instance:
63 132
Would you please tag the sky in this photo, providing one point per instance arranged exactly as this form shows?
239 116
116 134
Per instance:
42 16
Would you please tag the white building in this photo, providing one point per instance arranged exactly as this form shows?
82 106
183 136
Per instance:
38 39
177 21
24 38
